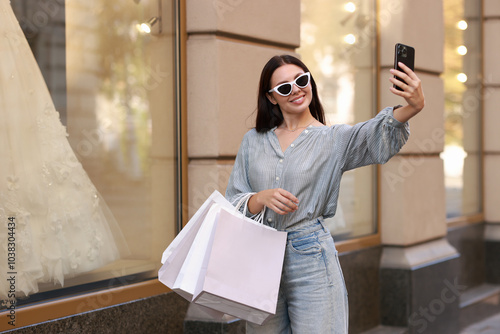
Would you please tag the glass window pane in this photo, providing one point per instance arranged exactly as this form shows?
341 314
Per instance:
113 87
462 79
338 46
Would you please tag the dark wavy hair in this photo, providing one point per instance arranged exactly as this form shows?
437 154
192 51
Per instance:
268 114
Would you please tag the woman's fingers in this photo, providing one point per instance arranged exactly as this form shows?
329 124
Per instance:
289 199
398 83
406 70
411 80
285 201
411 88
280 201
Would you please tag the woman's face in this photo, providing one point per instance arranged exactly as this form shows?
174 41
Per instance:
300 98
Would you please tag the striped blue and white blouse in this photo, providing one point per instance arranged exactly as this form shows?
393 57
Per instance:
312 166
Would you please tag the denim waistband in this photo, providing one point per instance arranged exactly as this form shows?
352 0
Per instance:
307 228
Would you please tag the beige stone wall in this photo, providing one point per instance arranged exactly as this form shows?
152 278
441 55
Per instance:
227 48
412 184
491 111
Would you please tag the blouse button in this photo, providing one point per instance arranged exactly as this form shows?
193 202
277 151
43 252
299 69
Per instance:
292 145
277 178
390 120
281 160
306 131
269 220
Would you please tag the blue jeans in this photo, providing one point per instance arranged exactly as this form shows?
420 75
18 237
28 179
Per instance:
312 296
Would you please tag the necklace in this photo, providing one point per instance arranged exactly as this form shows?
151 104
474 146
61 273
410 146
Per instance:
299 127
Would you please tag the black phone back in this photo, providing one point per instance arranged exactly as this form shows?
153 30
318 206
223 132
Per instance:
406 55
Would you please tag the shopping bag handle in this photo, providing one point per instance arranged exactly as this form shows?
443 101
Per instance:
244 202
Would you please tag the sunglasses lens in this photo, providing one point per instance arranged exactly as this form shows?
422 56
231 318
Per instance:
285 89
302 81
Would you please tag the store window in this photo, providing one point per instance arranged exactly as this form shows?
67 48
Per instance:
338 44
98 212
463 105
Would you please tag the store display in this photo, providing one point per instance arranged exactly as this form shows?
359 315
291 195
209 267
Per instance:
53 222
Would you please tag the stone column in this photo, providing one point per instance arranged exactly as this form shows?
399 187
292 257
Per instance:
229 42
491 139
418 271
227 48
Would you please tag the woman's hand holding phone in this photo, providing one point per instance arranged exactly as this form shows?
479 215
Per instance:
411 91
407 85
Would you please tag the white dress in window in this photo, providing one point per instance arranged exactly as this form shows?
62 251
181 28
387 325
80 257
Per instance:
63 227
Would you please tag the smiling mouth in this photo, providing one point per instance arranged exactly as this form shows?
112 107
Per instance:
299 99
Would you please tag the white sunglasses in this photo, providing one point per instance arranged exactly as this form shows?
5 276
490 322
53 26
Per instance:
286 88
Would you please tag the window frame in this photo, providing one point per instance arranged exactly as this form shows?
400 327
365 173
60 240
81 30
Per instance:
73 305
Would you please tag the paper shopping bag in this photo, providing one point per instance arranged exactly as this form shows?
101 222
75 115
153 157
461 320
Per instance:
174 255
243 271
198 255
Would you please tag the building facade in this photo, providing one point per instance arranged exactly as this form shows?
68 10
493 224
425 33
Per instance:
187 95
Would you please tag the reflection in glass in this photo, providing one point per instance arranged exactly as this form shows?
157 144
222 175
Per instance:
338 46
121 118
58 225
463 99
114 90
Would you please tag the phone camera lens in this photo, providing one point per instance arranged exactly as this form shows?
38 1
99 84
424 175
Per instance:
403 51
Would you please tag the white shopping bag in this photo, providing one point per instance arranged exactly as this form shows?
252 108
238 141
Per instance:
173 257
243 271
198 255
225 262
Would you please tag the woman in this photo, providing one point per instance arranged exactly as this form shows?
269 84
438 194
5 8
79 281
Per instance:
293 164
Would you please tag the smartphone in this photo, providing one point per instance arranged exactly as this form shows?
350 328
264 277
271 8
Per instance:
406 55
